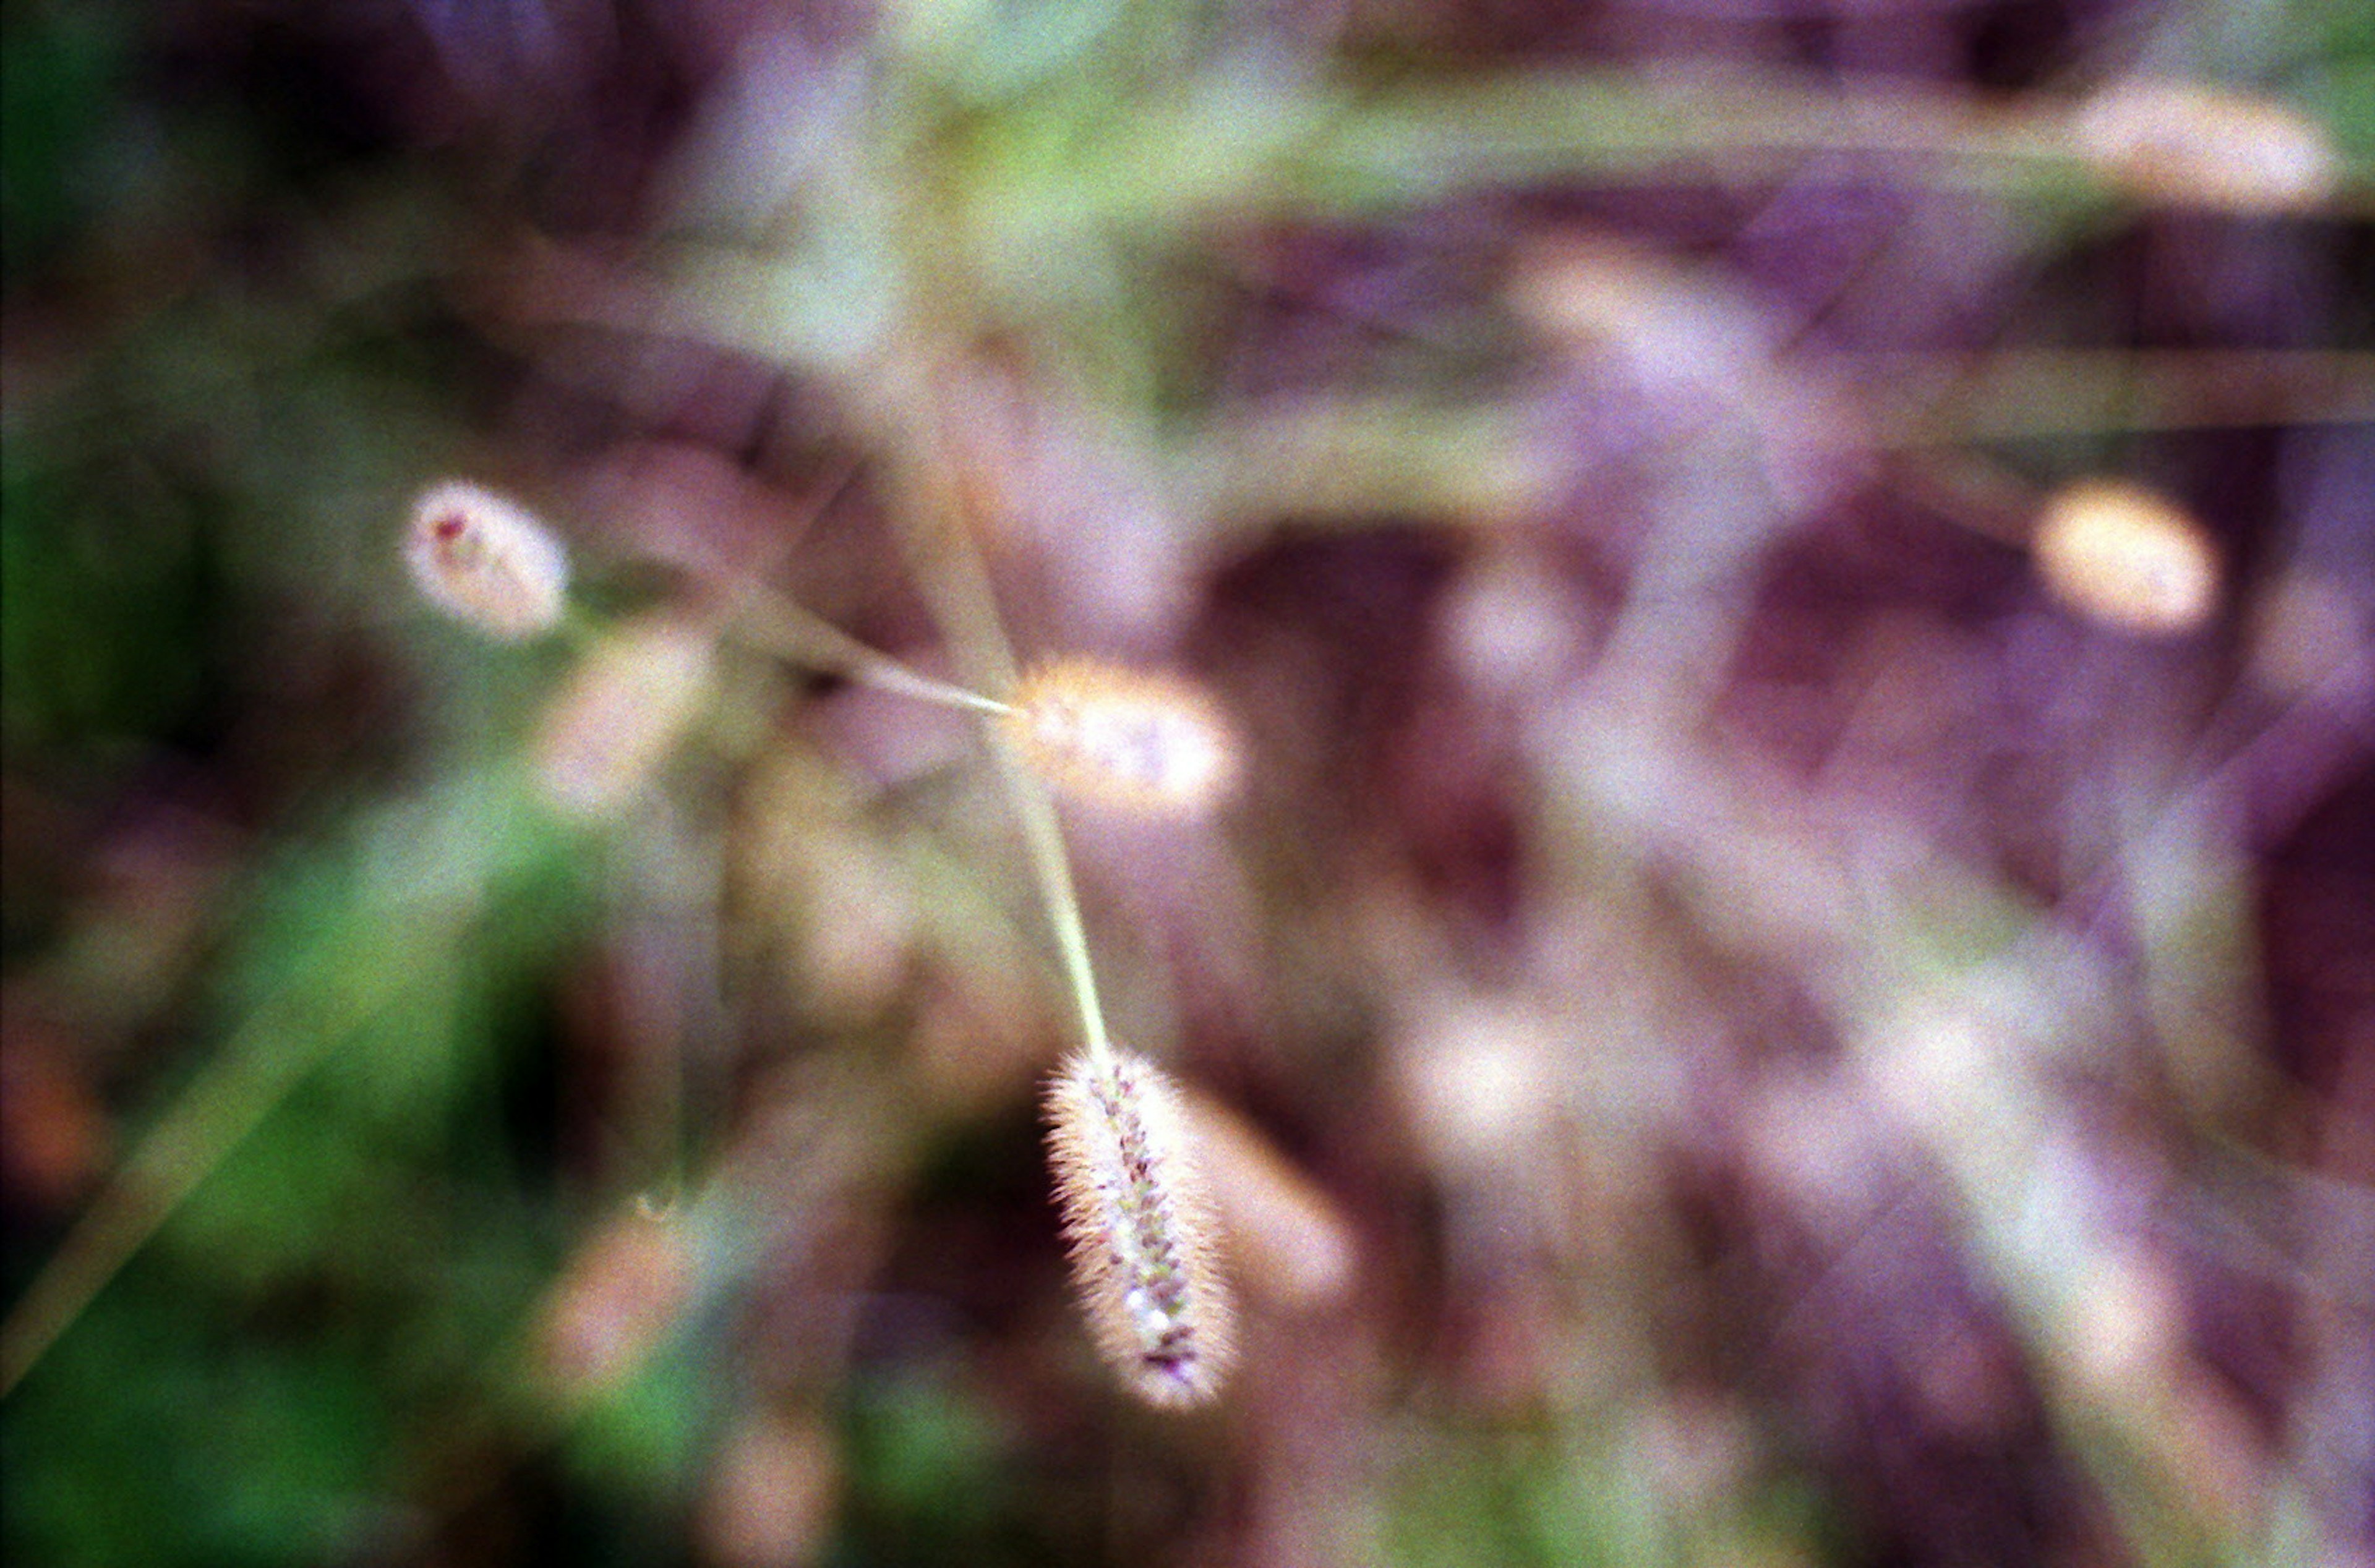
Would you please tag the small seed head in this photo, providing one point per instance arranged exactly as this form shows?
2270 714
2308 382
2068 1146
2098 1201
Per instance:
2177 142
486 560
1145 1250
1145 743
2127 557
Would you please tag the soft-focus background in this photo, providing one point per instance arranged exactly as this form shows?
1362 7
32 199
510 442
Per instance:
1754 1011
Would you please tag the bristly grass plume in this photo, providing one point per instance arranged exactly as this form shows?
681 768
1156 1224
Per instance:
1143 742
1145 1250
487 559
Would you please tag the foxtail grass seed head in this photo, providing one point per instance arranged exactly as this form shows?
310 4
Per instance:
2128 558
1151 744
487 560
622 711
1145 1251
2177 142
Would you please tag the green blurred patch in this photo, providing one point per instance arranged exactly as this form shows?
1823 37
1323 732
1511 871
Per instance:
644 1440
106 595
164 1432
357 1242
1507 1498
931 1478
60 66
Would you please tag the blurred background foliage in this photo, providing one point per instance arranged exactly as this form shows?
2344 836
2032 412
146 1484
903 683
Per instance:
1765 1013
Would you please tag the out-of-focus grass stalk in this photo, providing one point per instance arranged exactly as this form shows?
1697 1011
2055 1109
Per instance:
956 584
2198 963
809 1157
416 887
1024 209
1354 456
1404 145
1407 144
775 625
2008 394
1963 1000
234 1092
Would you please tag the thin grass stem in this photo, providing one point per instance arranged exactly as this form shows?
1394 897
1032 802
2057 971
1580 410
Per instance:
774 625
956 584
231 1097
